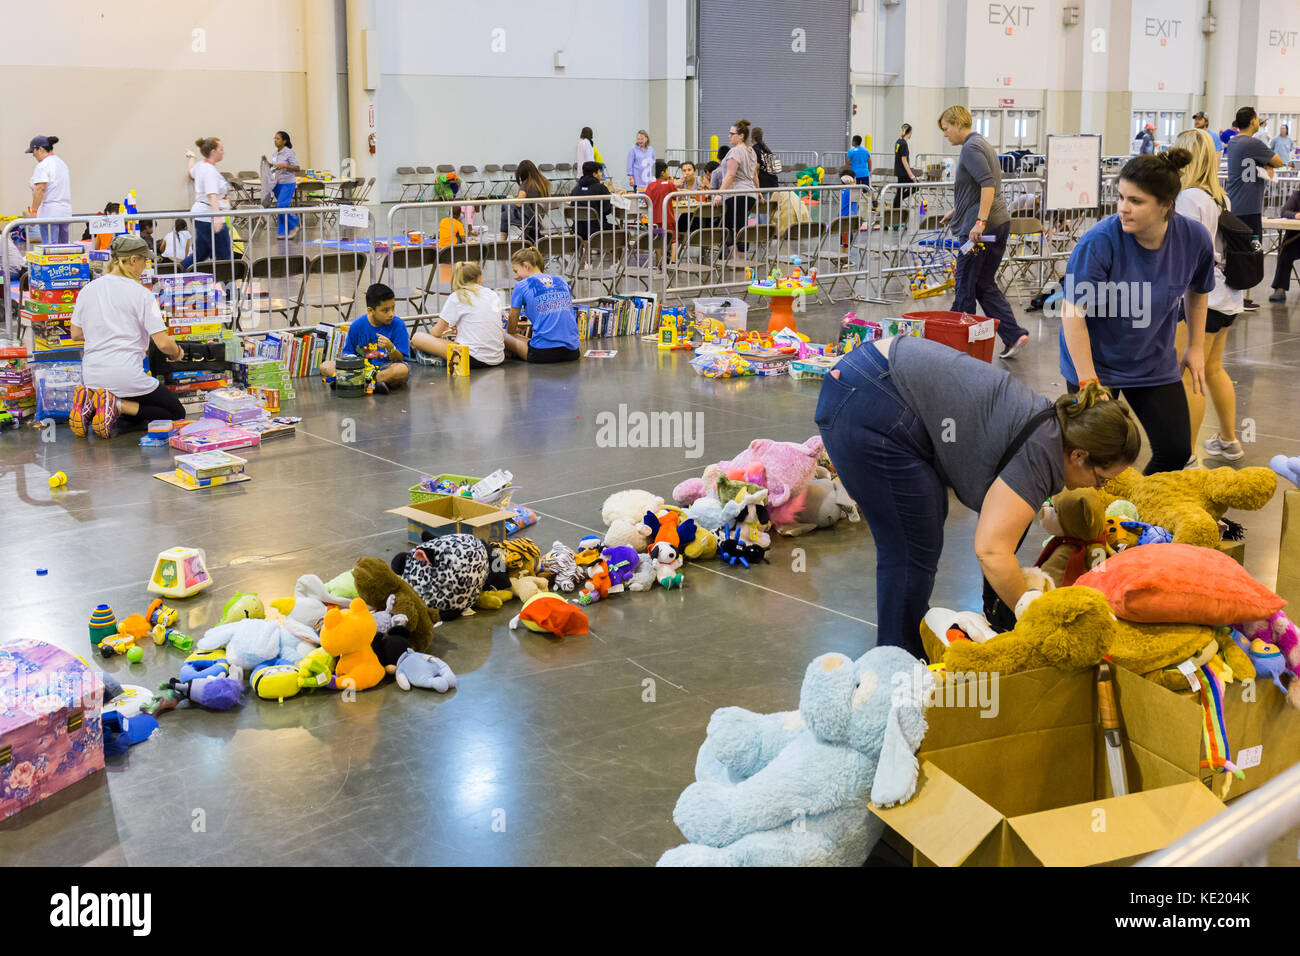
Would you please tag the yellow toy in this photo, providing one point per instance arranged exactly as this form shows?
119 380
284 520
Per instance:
316 669
181 572
347 635
1190 503
275 681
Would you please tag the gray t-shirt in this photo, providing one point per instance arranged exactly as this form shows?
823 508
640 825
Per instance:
972 413
1246 180
977 167
746 167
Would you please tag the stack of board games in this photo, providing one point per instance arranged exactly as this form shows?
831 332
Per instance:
232 406
205 469
195 307
56 274
258 371
17 393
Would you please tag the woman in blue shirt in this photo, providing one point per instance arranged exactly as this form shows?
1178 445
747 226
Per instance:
641 162
548 303
1123 285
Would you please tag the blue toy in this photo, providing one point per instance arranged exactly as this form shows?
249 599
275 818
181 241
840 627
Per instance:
424 670
792 789
1268 658
1288 468
622 560
252 641
1148 533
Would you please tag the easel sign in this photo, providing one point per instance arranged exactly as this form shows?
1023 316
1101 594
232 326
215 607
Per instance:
1073 172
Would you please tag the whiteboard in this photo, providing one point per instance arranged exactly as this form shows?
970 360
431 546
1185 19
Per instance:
1073 172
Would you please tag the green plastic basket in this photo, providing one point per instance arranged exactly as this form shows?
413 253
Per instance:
418 494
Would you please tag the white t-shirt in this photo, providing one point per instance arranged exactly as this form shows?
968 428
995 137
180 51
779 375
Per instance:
117 315
586 153
53 171
478 324
1197 204
16 259
176 245
207 180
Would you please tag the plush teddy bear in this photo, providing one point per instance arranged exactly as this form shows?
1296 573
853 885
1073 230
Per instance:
447 572
375 581
787 469
1288 468
548 613
644 576
667 565
1066 628
305 611
1077 521
623 513
825 504
347 636
1190 503
241 606
852 741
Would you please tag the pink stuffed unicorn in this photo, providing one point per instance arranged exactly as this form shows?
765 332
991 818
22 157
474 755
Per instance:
783 468
1281 631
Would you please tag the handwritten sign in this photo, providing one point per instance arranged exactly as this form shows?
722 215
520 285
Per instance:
111 224
357 216
981 331
1073 172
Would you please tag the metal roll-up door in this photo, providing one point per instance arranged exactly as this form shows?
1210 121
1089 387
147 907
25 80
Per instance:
783 66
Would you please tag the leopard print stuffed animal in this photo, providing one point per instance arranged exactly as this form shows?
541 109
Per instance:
447 572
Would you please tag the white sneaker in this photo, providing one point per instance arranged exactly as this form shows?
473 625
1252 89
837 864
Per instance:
1011 350
1231 450
1192 462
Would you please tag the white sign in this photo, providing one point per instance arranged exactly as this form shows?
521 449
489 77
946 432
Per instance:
1073 172
1250 757
1164 47
102 224
1005 44
357 216
981 331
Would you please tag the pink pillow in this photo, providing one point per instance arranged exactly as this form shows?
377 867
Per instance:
1180 584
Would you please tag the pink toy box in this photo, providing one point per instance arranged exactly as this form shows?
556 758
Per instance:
50 731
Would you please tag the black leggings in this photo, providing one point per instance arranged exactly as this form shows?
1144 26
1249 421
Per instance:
549 356
1162 410
161 403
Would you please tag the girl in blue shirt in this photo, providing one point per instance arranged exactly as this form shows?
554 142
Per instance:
1123 285
548 303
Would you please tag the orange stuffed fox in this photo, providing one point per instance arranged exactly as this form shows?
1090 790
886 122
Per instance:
347 636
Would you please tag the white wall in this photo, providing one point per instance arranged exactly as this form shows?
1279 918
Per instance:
126 89
1277 47
1010 44
1166 48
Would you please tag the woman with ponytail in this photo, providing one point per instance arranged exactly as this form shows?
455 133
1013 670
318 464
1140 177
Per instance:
1124 284
211 237
905 419
51 188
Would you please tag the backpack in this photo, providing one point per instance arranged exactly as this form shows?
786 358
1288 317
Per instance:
1243 255
771 163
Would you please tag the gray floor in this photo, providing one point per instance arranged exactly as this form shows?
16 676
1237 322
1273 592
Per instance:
551 751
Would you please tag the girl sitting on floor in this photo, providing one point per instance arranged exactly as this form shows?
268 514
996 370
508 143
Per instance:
474 312
548 302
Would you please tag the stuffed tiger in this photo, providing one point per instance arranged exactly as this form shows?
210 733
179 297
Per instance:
522 556
563 566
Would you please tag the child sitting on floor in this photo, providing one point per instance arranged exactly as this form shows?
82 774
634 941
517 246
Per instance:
474 312
380 338
548 303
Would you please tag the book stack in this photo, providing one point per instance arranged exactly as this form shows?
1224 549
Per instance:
56 274
619 315
295 349
232 406
259 372
17 393
206 469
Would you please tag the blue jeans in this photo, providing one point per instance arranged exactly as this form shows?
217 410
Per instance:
886 460
977 280
54 232
205 241
284 193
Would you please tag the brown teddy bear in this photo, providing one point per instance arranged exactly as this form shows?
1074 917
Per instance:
1077 521
375 581
1190 503
1067 628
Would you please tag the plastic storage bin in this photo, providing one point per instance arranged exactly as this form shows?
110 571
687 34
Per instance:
965 332
733 312
55 384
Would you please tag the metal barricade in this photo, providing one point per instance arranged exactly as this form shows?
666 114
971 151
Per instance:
318 277
904 210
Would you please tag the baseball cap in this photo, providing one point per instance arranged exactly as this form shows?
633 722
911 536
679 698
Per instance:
128 245
1199 114
1149 126
38 142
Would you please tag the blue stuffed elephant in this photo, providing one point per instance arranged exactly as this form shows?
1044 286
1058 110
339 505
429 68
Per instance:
792 789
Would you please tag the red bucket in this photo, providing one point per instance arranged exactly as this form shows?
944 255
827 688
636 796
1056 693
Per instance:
967 333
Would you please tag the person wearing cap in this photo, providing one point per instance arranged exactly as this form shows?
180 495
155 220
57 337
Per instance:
1201 121
1147 136
117 318
51 188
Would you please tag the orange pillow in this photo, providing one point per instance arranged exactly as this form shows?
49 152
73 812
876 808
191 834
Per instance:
1180 584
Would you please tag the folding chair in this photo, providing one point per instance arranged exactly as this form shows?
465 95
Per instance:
704 243
399 264
1023 252
644 258
243 197
470 184
493 259
410 183
562 250
363 194
426 175
272 268
338 264
841 248
758 242
231 273
601 258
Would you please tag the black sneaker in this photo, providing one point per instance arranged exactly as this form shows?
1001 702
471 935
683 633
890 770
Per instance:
1011 350
1249 306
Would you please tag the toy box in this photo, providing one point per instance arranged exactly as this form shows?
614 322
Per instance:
208 434
814 367
54 296
62 272
37 307
50 731
58 249
180 572
454 516
36 259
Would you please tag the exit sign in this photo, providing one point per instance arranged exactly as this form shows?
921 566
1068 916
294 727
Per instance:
1006 104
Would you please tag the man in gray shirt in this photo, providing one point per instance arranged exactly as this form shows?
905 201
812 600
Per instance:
1247 158
980 216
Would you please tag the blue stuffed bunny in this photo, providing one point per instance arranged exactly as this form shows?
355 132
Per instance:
792 789
424 670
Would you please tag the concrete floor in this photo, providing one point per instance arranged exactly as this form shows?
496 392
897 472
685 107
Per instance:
551 751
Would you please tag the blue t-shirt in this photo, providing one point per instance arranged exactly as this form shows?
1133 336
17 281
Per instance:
859 160
361 334
1131 295
548 303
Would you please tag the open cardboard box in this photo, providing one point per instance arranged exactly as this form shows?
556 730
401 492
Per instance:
1288 553
1027 784
452 515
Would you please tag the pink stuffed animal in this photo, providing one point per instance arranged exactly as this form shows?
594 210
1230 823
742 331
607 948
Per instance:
1281 631
784 468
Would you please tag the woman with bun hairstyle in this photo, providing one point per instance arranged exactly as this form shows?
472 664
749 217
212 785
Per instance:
899 443
51 188
1123 286
211 237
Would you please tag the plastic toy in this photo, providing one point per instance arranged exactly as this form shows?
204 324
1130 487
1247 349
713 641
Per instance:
58 479
674 331
160 613
134 654
179 573
102 623
165 635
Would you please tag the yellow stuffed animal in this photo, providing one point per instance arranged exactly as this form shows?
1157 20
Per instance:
1190 503
1066 628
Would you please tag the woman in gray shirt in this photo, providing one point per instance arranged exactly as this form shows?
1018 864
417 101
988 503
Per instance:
905 419
285 163
740 172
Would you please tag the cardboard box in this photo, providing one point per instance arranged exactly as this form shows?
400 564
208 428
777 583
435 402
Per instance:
59 273
453 516
53 296
56 260
1288 553
1028 786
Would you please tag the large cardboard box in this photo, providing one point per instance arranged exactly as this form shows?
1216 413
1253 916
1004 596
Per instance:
1288 553
453 515
1019 779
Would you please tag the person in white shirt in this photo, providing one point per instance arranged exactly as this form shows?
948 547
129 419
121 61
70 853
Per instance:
51 188
211 237
285 163
1283 145
16 261
178 244
117 318
586 152
1202 198
474 313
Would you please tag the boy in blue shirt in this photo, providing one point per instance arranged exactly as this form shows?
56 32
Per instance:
859 160
548 303
380 337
